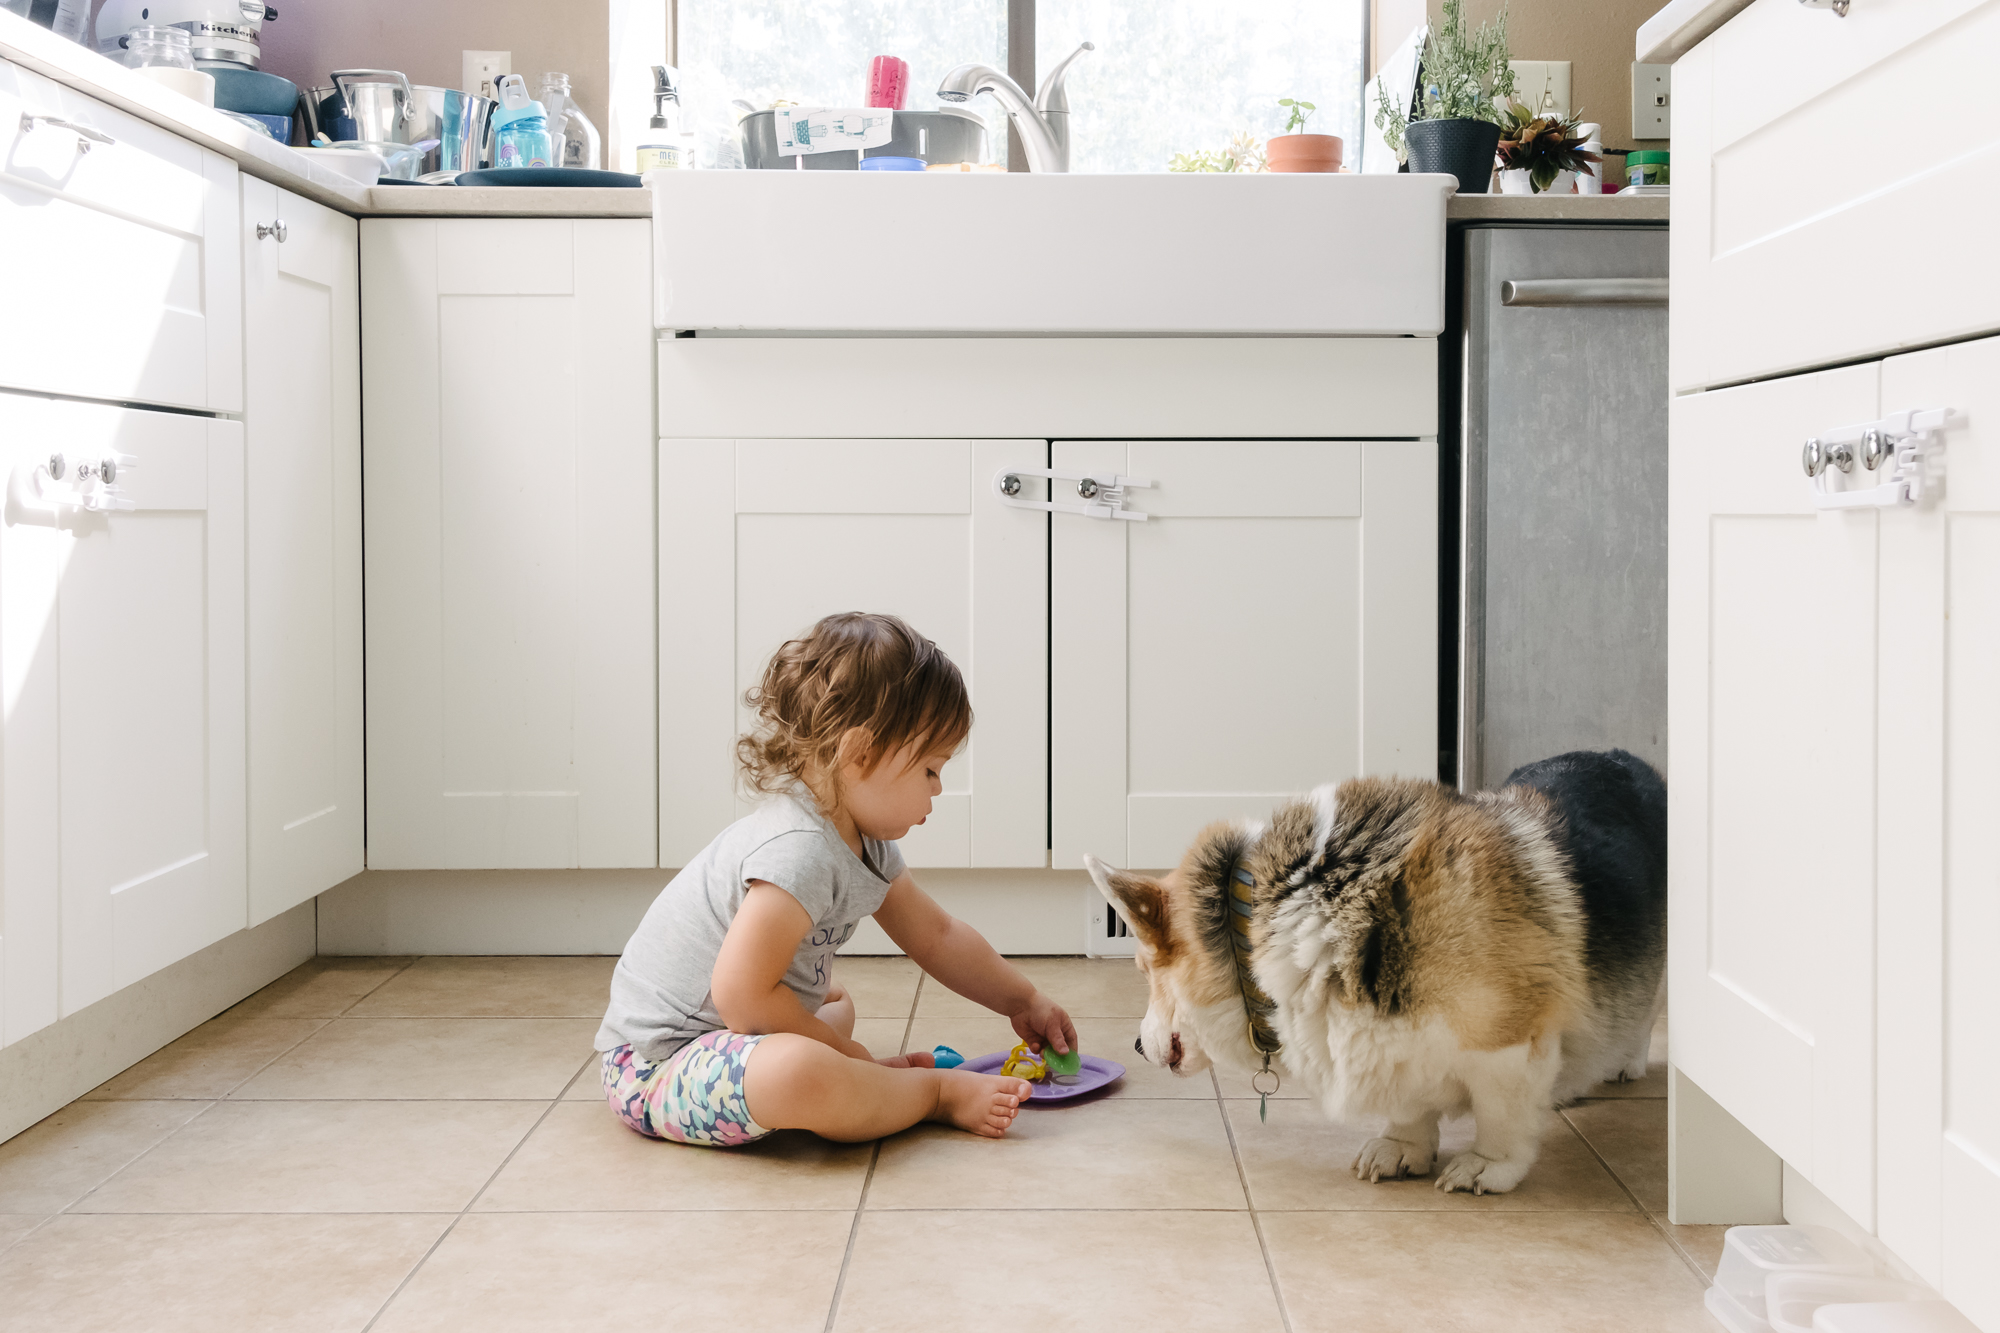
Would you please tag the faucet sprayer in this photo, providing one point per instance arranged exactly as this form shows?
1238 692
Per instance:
1043 123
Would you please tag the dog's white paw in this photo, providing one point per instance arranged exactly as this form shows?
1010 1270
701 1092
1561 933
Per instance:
1391 1158
1480 1175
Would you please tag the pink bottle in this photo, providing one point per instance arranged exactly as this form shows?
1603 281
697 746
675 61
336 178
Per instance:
888 82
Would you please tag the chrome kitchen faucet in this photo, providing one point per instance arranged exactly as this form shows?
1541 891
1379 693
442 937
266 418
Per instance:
1043 124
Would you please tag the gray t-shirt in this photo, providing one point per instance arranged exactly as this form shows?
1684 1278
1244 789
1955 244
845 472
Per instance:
660 997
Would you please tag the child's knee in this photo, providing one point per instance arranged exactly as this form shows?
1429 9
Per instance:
796 1063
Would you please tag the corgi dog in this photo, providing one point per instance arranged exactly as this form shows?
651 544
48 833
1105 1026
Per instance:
1409 953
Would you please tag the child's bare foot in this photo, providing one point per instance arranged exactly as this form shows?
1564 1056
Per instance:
981 1103
914 1060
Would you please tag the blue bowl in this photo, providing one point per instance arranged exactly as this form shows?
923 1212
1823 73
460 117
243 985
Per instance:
892 164
255 93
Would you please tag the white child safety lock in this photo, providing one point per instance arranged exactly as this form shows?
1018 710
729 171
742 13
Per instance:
1904 449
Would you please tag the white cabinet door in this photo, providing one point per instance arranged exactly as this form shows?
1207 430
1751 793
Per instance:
1938 908
122 278
508 493
1772 696
302 418
1269 627
125 704
760 538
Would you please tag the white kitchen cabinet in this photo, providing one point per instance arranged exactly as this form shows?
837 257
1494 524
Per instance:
123 276
1772 683
1270 626
302 417
1833 876
760 538
508 498
122 653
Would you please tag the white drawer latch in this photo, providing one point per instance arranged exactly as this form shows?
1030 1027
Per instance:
1103 495
1906 442
88 484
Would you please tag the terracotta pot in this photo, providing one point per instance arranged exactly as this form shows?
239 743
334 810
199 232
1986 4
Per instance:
1302 152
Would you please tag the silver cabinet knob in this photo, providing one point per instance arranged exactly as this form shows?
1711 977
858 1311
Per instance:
1010 485
276 229
57 466
1874 448
1839 7
1813 458
1087 488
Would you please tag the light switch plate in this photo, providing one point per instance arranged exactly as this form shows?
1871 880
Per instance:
481 71
1652 101
1542 85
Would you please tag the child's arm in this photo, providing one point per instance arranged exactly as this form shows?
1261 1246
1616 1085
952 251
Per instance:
960 957
749 978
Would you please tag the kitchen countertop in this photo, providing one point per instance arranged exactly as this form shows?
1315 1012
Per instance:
1556 208
37 49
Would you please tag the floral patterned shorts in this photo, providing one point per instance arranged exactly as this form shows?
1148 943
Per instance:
694 1095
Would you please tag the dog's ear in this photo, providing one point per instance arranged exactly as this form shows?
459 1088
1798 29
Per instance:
1142 901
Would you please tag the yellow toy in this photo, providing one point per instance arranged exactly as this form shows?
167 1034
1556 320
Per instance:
1023 1063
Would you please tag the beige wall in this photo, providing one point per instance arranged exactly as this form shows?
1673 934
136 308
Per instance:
1597 37
310 38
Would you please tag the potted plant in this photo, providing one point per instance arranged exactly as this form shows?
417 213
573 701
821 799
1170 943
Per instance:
1294 150
1540 154
1456 124
1244 153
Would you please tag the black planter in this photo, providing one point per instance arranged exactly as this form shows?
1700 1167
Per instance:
1461 148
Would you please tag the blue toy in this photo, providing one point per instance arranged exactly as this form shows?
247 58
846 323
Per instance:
946 1057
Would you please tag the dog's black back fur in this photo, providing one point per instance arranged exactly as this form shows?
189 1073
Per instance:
1613 828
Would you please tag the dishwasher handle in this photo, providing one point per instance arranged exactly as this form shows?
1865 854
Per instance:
1584 291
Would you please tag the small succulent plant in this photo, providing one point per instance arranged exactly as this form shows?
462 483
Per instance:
1243 153
1541 145
1301 112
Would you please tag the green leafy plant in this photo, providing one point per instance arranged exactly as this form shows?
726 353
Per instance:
1243 153
1466 75
1541 145
1301 111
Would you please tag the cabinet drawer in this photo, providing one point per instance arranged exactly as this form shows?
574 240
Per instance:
1816 221
123 258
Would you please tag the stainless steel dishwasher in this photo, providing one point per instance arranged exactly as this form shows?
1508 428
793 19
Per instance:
1563 557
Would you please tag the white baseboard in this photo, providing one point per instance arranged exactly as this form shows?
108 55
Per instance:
1718 1172
595 911
46 1070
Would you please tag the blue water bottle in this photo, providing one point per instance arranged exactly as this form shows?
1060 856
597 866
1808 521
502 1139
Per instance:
520 127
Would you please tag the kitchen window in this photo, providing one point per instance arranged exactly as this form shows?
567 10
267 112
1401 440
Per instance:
1167 76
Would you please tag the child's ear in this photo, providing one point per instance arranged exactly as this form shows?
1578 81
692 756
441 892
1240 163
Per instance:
1142 902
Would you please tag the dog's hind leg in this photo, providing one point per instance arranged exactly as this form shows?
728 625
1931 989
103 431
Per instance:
1641 1053
1402 1150
1511 1092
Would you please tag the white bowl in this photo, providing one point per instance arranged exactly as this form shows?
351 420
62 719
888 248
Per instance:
357 164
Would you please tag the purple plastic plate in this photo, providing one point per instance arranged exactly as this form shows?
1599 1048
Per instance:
1096 1074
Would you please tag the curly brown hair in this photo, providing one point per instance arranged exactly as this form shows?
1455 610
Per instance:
852 669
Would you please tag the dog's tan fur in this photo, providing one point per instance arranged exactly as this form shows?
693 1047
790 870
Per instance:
1426 960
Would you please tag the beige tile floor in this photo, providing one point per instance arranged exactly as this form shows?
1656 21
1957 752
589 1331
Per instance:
402 1144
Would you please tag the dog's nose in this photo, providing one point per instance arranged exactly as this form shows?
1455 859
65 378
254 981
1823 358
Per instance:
1139 1047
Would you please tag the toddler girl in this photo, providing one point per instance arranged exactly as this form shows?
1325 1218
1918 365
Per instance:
725 1021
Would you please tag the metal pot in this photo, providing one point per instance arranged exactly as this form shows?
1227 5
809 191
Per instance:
383 106
380 102
943 136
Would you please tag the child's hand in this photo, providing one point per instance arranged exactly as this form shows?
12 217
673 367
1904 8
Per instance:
1043 1023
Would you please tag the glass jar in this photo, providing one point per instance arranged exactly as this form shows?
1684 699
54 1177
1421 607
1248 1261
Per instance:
155 47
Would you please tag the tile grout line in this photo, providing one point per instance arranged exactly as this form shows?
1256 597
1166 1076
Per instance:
1644 1211
1256 1222
477 1195
853 1234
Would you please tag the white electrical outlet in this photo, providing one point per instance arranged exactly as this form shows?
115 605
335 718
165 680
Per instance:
1542 86
1652 101
481 71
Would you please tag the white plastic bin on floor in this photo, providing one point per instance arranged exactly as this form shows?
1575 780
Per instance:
1892 1317
1751 1255
1791 1299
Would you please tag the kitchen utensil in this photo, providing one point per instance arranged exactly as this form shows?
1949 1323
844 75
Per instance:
399 160
889 82
567 177
460 122
274 127
150 46
223 32
892 164
358 165
380 102
254 92
1096 1073
945 135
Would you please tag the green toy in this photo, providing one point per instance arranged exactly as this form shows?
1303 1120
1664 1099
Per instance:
1063 1066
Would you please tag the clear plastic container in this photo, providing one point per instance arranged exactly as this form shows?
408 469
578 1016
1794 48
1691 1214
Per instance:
1751 1255
154 47
1892 1317
1790 1299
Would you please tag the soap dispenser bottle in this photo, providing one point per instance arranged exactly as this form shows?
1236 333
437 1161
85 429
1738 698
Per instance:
520 127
